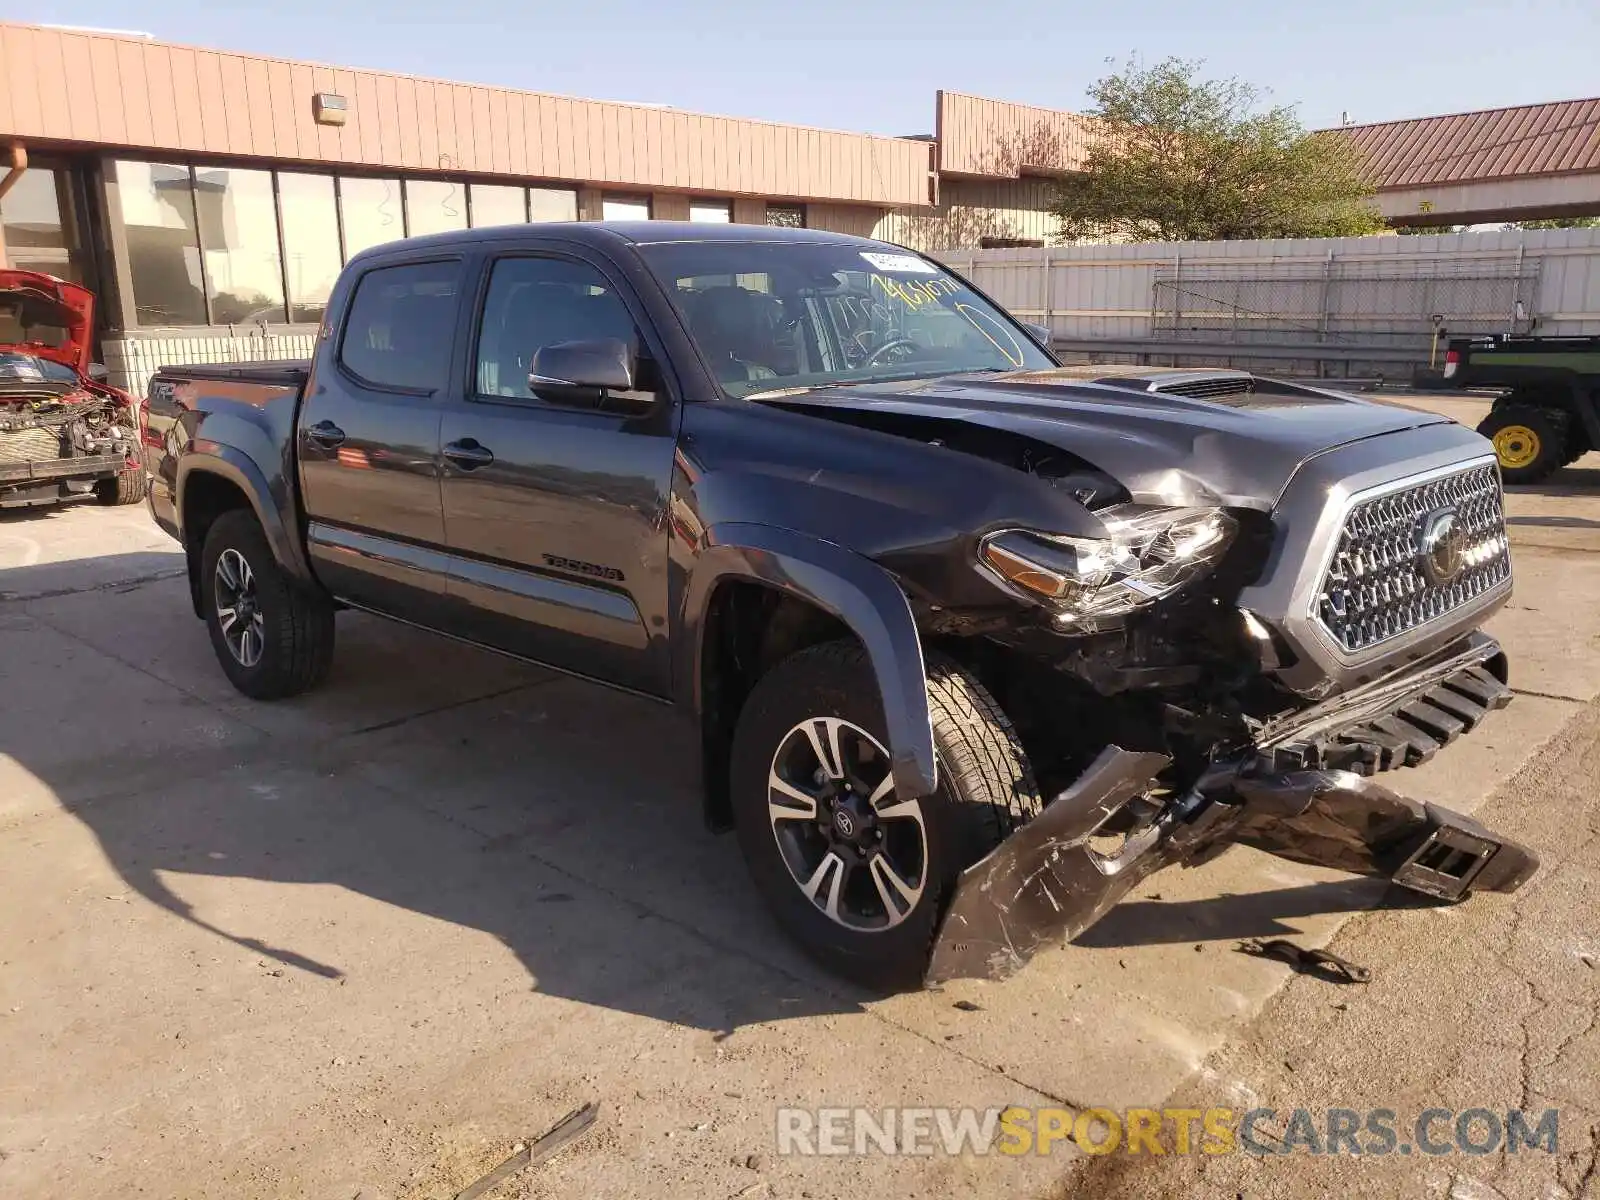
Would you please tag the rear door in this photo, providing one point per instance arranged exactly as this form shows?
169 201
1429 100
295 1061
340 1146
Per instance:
368 439
555 516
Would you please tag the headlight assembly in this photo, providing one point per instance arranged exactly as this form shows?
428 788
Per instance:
1093 582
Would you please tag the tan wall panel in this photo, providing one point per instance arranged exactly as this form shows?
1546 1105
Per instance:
329 142
45 70
235 102
843 218
77 66
285 129
406 124
427 98
748 210
161 88
169 100
136 98
388 103
669 206
105 80
186 100
8 104
991 137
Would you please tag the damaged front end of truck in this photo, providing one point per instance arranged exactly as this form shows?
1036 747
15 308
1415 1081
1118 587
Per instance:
1283 600
1063 871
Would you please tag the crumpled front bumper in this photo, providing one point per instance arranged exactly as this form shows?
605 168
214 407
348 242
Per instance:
1058 875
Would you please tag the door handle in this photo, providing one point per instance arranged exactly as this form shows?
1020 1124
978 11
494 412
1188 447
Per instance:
467 454
326 434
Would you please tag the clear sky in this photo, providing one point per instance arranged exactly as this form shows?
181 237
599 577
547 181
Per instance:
874 65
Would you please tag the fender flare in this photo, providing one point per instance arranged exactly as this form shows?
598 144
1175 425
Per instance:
857 591
227 462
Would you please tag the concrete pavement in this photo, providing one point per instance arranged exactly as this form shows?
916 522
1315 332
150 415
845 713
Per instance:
366 941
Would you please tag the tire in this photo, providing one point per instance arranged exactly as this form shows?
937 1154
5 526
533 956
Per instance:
1577 445
293 627
986 789
1530 441
127 487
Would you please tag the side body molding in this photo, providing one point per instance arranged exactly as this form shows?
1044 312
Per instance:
856 590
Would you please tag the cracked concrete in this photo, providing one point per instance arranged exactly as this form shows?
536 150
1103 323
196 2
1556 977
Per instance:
1491 1004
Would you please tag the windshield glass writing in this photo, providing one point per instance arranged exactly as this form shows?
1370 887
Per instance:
771 316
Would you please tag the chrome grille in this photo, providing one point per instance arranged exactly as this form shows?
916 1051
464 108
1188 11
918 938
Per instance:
29 445
1414 554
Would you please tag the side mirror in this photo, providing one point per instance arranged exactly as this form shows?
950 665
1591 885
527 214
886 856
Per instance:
1039 333
582 373
98 372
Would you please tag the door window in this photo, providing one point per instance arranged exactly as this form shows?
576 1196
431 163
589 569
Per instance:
398 333
534 302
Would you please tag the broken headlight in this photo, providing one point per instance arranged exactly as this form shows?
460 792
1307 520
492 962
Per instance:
1092 582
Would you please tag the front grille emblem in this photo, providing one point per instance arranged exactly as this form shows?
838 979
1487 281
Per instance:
1442 544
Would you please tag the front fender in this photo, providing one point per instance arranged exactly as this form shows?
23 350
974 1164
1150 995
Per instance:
854 589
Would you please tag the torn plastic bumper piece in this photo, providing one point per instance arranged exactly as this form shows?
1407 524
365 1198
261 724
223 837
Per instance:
1053 878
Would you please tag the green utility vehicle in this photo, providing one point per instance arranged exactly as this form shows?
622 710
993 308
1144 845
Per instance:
1549 414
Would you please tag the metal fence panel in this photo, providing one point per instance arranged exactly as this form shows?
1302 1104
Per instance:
1382 292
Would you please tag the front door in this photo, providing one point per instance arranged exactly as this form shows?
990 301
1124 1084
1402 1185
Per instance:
368 442
555 516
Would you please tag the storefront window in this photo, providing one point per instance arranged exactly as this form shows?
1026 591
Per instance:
371 212
496 205
786 216
712 212
310 243
239 235
163 244
38 229
625 208
435 206
552 204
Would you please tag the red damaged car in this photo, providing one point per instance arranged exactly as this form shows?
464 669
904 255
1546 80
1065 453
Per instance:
63 431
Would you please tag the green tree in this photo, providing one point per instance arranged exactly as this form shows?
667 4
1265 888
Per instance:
1175 157
1558 223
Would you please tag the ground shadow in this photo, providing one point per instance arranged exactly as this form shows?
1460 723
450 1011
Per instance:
557 817
1581 480
1228 917
1556 522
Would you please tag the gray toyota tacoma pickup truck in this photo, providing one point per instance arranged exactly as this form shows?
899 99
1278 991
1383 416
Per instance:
972 643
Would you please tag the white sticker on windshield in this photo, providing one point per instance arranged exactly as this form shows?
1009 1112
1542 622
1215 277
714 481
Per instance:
904 263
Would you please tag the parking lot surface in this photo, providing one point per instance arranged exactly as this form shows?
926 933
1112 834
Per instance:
368 941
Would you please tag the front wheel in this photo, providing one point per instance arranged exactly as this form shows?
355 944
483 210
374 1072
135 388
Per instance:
273 638
125 487
856 873
1529 441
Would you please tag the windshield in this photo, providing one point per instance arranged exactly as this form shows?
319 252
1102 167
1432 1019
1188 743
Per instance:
16 367
771 316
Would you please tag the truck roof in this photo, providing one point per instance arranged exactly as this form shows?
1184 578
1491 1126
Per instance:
611 233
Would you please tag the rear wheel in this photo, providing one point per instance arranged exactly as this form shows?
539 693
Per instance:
1530 442
127 487
857 873
272 637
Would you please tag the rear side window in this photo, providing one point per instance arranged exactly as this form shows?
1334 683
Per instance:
398 333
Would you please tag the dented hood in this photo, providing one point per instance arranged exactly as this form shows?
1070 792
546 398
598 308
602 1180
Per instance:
32 301
1237 450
